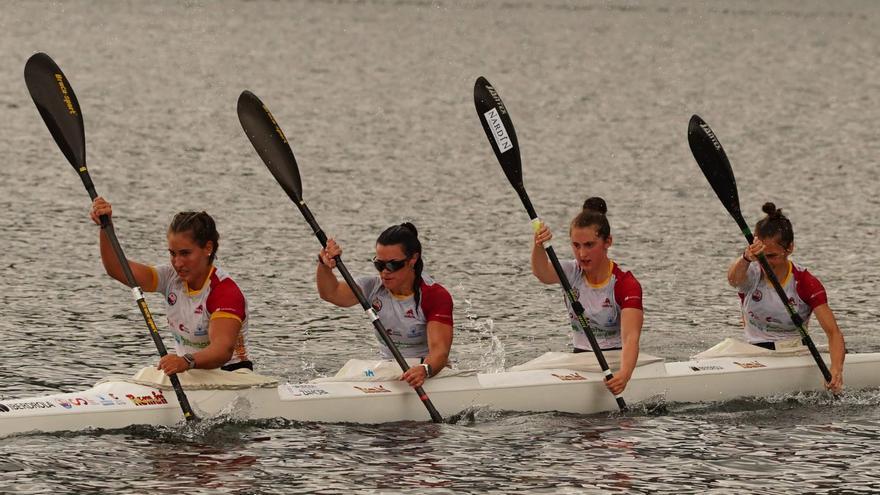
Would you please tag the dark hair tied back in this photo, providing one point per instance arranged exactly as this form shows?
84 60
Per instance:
407 236
596 204
200 226
593 215
771 211
410 226
775 225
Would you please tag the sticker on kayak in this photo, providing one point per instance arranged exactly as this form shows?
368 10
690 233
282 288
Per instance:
498 130
109 400
156 399
574 377
750 364
35 404
71 402
707 367
373 390
305 390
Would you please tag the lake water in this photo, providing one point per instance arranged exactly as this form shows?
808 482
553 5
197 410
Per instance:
375 97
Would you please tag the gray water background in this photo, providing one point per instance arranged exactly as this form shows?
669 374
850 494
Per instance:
376 99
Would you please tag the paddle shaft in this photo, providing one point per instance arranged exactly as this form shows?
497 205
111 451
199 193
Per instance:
572 299
377 323
138 293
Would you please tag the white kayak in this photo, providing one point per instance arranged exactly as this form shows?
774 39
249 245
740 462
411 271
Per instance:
363 393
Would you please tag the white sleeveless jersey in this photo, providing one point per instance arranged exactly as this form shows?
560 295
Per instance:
406 323
191 311
764 316
602 304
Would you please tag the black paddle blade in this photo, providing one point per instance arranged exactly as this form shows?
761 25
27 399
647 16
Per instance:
499 130
53 95
268 139
713 162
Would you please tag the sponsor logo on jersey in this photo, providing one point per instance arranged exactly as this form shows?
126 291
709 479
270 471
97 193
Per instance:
199 309
201 331
757 295
377 304
189 343
606 303
374 390
409 314
172 299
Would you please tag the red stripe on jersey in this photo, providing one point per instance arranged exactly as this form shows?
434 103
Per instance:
627 290
808 287
226 296
436 303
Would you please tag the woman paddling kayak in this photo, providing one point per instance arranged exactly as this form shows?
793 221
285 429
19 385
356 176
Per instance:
765 318
416 311
611 297
207 312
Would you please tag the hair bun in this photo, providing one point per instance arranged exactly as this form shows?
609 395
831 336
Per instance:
596 204
410 226
771 211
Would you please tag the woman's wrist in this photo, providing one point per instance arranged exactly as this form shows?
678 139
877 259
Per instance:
428 370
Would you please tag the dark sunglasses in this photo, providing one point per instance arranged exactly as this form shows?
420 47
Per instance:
390 265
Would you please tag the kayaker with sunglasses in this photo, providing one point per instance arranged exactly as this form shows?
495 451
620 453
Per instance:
416 311
207 312
766 320
611 297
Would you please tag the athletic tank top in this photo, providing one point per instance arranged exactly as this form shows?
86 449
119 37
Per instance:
405 322
602 304
764 315
191 311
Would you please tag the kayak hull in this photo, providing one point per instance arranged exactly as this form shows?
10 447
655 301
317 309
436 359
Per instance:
117 404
